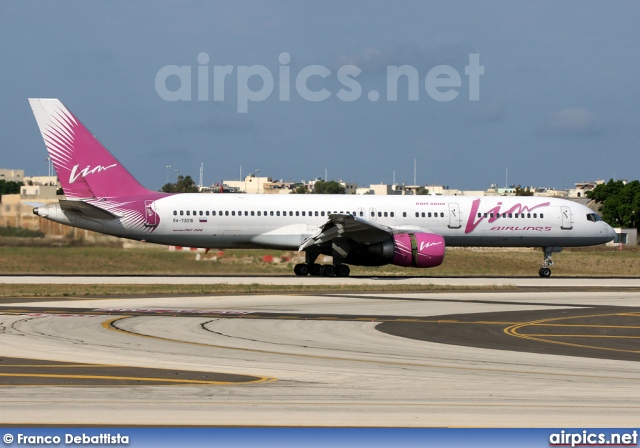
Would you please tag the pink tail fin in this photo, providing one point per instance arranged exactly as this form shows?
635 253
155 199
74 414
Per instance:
85 168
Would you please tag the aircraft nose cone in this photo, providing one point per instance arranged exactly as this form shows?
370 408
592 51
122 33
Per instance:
610 232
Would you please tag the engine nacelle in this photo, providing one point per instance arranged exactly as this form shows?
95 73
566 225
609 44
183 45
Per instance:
420 250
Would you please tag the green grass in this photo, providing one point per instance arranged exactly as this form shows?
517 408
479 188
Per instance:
20 232
113 261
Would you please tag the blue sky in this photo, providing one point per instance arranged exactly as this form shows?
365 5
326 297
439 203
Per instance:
559 100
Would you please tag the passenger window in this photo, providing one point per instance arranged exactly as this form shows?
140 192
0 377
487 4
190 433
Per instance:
271 213
385 214
429 215
297 213
252 213
404 214
246 213
200 212
510 215
321 213
194 213
175 213
226 213
233 213
486 215
316 213
424 215
207 213
441 215
541 215
278 213
188 213
491 215
303 213
479 215
258 212
290 213
417 215
213 213
528 215
391 214
379 214
535 215
181 213
361 214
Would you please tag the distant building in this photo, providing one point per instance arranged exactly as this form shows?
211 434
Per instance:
41 180
582 188
625 237
349 188
39 192
250 184
12 175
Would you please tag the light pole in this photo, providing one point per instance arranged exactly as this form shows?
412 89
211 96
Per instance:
255 174
167 167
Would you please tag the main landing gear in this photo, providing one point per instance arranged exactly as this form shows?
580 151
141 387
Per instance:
315 269
545 270
326 270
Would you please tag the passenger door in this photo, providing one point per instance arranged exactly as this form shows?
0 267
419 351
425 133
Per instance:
567 219
455 221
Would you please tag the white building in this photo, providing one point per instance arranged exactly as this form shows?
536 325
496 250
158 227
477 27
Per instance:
624 237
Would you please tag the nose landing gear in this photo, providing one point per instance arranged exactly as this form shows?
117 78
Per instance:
545 270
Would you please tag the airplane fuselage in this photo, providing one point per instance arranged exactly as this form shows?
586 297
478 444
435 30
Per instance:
285 221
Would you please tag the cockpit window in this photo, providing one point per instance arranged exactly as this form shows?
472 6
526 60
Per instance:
593 217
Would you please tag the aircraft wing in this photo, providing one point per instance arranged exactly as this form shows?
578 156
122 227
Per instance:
352 227
86 210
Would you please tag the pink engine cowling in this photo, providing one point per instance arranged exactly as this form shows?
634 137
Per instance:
420 250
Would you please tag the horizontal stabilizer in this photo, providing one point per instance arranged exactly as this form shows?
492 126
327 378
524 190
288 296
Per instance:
34 204
86 210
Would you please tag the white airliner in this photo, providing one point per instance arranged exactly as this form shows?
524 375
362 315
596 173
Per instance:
412 231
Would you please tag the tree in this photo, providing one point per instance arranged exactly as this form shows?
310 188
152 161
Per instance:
330 187
620 202
184 184
422 191
300 189
9 187
523 191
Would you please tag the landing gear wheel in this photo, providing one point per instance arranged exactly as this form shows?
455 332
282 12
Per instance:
544 272
316 269
328 271
301 269
342 270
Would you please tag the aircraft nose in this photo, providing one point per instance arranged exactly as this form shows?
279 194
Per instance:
610 232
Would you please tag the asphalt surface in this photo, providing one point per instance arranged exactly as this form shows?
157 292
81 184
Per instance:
551 356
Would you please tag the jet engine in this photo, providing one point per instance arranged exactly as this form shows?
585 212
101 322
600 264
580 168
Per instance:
420 250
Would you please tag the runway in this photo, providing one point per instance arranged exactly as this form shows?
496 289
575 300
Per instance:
536 282
531 358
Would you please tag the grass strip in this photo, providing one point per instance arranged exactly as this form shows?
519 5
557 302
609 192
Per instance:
55 290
